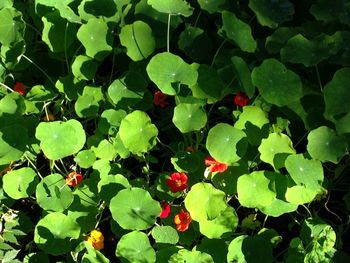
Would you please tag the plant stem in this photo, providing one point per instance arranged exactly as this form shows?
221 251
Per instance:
33 165
319 78
168 34
217 52
7 87
37 66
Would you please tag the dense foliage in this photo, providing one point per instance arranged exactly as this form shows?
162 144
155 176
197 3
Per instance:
174 131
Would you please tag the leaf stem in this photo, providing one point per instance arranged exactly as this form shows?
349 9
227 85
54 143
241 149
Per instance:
37 66
168 34
319 78
33 165
7 87
217 52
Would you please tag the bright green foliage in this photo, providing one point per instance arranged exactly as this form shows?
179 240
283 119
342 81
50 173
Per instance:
226 143
165 235
238 31
138 125
139 209
138 40
20 183
85 158
53 194
325 145
212 202
135 247
84 68
187 256
276 83
49 234
12 26
212 6
275 149
174 7
165 69
271 13
244 75
189 117
60 139
110 185
94 36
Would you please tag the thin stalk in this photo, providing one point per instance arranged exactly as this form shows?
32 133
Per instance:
319 78
7 87
33 165
217 52
168 34
65 48
37 66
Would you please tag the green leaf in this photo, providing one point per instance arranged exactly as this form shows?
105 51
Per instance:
135 247
12 26
186 256
165 235
20 183
212 6
105 150
138 40
94 36
110 121
325 145
85 158
110 185
58 34
238 31
60 139
279 38
42 7
39 93
134 209
84 68
217 248
343 125
137 132
276 83
300 194
164 69
244 76
271 13
305 172
174 7
327 11
279 207
108 10
223 225
212 202
226 144
39 257
54 232
189 117
336 94
275 149
53 194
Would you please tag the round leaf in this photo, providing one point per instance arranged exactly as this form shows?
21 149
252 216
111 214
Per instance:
84 68
60 139
138 40
53 194
137 132
276 83
175 7
166 68
225 143
85 159
186 256
12 26
54 232
325 145
211 6
212 202
189 117
278 207
135 247
165 235
300 194
20 183
134 209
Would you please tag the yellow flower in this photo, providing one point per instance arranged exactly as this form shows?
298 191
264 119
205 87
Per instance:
96 239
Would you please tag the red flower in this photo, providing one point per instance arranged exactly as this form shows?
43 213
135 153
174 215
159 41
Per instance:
241 99
159 99
165 209
74 179
177 182
20 88
182 220
215 166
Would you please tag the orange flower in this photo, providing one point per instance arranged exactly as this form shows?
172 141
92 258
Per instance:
20 88
177 182
182 220
96 239
241 99
74 179
215 166
159 99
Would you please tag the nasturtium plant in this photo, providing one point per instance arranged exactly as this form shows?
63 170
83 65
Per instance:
189 117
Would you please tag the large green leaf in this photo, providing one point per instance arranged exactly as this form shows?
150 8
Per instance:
326 11
165 235
11 27
165 69
271 13
212 6
189 117
134 209
95 35
175 7
238 31
226 143
20 183
60 139
244 75
212 202
276 83
137 132
186 256
54 232
138 40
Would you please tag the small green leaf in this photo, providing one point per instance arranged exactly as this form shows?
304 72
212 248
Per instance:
165 235
212 6
186 256
84 68
85 158
174 7
244 75
276 83
165 69
138 40
300 194
12 26
189 117
238 31
20 183
135 247
134 209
